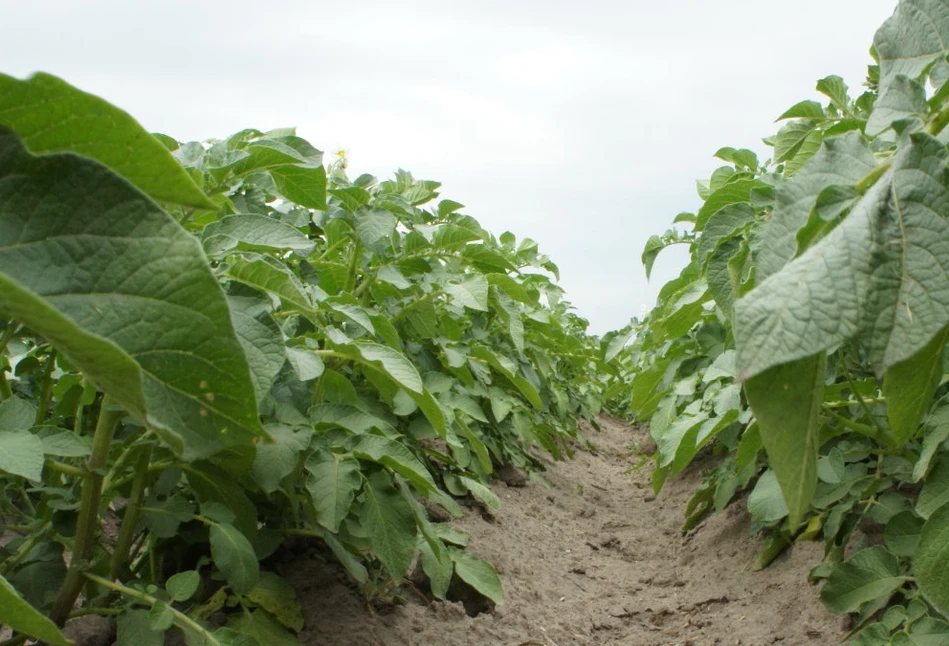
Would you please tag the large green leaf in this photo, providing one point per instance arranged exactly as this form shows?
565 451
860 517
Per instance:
261 339
234 556
723 225
22 617
479 574
843 160
393 455
935 491
332 482
274 594
253 232
21 453
786 400
882 274
390 524
731 193
868 575
931 561
277 460
909 42
909 387
51 115
126 294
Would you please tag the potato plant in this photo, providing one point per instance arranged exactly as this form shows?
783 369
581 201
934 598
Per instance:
804 342
209 347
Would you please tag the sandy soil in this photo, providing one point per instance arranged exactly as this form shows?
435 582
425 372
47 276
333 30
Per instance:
594 558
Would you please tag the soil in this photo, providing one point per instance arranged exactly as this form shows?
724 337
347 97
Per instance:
592 557
588 557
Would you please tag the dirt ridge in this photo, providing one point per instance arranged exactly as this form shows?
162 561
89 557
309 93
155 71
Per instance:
594 558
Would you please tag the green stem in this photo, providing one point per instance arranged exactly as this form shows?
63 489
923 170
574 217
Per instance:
939 122
109 416
856 427
853 388
45 388
182 620
14 641
848 404
5 391
120 553
871 178
62 467
353 266
12 328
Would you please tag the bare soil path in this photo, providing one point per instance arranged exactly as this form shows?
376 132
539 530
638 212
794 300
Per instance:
594 558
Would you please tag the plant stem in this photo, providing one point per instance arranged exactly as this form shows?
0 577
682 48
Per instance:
181 619
940 121
109 416
353 266
12 328
120 553
856 427
871 178
62 467
863 404
46 388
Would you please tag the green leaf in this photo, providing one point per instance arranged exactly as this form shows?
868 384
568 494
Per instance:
248 231
883 273
126 294
936 428
911 40
269 275
766 502
22 617
803 110
506 367
868 575
133 629
724 224
393 455
901 98
373 225
183 585
790 139
305 363
17 415
276 461
353 565
261 339
843 160
304 186
909 387
234 556
834 88
66 444
902 533
274 594
53 116
931 560
21 453
479 574
161 617
213 484
332 482
935 491
390 524
786 400
731 193
471 292
438 568
263 628
481 492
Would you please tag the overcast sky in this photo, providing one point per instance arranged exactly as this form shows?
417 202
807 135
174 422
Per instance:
582 125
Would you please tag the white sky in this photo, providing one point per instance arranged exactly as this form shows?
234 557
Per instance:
582 125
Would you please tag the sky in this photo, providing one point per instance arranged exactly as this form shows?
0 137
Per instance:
582 125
